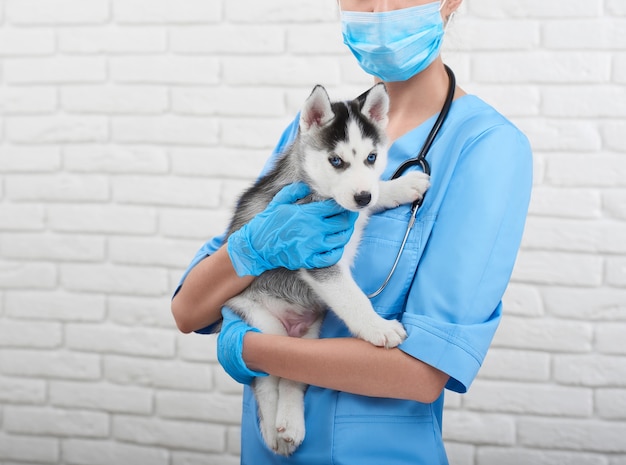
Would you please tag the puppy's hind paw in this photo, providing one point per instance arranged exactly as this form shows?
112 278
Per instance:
270 436
290 435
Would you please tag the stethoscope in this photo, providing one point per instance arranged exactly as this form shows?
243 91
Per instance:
420 160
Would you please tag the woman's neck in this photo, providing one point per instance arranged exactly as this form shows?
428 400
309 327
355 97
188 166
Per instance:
414 101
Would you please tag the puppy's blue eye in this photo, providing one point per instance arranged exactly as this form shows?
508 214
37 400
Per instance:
371 158
335 161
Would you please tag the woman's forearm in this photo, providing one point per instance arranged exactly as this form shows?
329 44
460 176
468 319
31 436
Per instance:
344 364
207 287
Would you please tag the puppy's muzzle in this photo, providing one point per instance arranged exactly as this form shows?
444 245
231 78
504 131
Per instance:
363 199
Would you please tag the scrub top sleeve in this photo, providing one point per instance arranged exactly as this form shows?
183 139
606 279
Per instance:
216 242
454 305
287 137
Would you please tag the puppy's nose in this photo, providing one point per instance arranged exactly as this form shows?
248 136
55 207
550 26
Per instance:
363 199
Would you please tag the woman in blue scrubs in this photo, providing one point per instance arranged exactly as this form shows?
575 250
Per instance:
368 405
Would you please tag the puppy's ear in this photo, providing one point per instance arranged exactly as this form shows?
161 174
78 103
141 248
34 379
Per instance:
375 105
316 111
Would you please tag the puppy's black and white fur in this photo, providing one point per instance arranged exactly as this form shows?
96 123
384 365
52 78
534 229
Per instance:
340 151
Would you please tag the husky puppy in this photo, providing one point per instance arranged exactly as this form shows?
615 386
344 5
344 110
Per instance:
340 151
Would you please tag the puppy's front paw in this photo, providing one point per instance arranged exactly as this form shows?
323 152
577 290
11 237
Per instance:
414 185
405 189
384 333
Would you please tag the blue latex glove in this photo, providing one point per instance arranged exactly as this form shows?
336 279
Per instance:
291 235
230 347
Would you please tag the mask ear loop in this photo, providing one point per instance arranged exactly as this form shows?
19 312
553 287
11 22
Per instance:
448 21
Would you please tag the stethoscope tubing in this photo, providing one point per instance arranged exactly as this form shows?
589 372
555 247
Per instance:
420 160
398 256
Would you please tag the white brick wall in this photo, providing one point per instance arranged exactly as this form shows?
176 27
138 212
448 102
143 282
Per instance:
127 128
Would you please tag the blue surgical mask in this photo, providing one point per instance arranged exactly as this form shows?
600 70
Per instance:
394 45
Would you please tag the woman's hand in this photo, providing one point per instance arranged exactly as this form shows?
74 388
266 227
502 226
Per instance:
291 235
230 347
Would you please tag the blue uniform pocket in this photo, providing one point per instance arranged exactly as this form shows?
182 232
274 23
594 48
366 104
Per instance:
379 247
316 448
372 431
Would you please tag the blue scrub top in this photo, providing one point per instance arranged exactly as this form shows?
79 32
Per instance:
446 291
